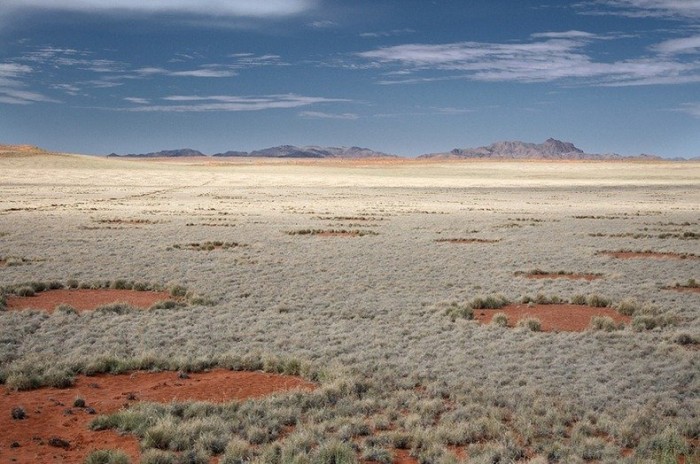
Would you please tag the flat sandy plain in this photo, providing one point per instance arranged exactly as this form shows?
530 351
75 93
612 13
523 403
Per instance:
372 307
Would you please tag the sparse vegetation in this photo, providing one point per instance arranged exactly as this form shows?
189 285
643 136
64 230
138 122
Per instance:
604 323
332 232
107 457
207 246
360 318
531 323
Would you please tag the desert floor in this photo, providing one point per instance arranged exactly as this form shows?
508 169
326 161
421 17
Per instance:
353 268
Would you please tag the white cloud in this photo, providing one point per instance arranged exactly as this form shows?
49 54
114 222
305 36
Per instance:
322 115
207 71
692 109
196 103
230 8
137 100
323 24
548 57
12 87
391 33
679 46
678 9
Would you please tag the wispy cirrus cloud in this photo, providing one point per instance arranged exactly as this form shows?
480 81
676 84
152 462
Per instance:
230 8
692 109
674 9
204 71
546 57
684 45
12 88
390 33
324 115
230 103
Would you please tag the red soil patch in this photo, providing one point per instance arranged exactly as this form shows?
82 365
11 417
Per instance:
50 411
404 457
555 275
684 289
554 318
466 240
84 299
647 254
2 263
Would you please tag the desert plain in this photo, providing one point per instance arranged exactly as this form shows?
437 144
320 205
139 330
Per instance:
378 282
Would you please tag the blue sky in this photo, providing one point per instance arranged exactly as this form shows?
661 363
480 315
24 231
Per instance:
401 76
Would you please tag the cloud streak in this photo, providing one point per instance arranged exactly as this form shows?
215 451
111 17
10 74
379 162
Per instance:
228 8
12 89
323 115
229 103
674 9
547 57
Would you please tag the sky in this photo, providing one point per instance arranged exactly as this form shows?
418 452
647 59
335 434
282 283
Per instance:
405 77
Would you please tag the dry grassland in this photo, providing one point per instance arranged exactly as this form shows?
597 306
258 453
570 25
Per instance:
363 314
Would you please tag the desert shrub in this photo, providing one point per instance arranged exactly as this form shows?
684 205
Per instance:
237 452
154 456
665 446
66 309
166 304
334 452
578 299
178 291
20 381
72 283
649 322
55 285
3 302
25 291
107 457
686 339
542 299
38 286
79 402
605 323
122 284
376 454
58 378
489 302
627 307
531 323
18 413
597 301
500 319
115 308
459 311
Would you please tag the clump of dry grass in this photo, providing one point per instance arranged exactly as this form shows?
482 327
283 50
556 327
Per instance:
207 246
332 232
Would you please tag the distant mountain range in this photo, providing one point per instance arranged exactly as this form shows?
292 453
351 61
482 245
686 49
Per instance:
283 151
179 153
551 149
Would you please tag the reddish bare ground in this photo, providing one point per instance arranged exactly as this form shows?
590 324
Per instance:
684 289
466 240
554 318
555 275
2 263
647 254
84 299
404 457
50 411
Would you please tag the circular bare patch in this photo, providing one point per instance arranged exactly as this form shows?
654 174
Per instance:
84 299
648 254
50 412
554 317
555 275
